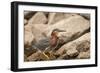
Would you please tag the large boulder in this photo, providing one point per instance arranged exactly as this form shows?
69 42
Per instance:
38 31
87 16
25 21
84 55
72 53
38 18
28 14
74 26
29 37
55 17
33 33
83 46
76 44
38 56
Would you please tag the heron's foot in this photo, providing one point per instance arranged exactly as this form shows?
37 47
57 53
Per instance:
46 55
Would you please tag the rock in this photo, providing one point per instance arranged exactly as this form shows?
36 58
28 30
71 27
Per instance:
84 55
83 46
33 33
51 18
35 30
67 15
66 37
29 51
72 53
60 51
28 14
40 27
38 18
64 56
87 16
74 44
55 17
38 56
28 28
25 57
29 37
65 48
74 26
34 56
38 31
25 21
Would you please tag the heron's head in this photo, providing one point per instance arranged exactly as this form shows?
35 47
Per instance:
56 31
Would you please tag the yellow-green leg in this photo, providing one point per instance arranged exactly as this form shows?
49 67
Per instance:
45 55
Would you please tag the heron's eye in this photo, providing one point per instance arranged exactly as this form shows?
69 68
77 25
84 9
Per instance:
54 33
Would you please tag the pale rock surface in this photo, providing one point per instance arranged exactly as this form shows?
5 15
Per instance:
29 37
83 46
38 18
87 16
84 55
38 31
74 44
28 14
74 26
25 21
54 17
72 52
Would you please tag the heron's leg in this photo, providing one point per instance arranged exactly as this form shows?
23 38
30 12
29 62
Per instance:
41 52
45 55
54 47
47 49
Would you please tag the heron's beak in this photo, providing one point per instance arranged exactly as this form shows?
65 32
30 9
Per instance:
56 31
60 31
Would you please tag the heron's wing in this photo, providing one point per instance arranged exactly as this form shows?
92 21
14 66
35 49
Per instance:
42 44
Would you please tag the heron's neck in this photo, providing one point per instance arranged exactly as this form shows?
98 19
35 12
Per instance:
53 35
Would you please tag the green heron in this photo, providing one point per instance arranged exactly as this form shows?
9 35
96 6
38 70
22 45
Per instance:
48 44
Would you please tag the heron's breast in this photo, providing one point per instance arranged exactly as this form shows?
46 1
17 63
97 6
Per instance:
53 41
